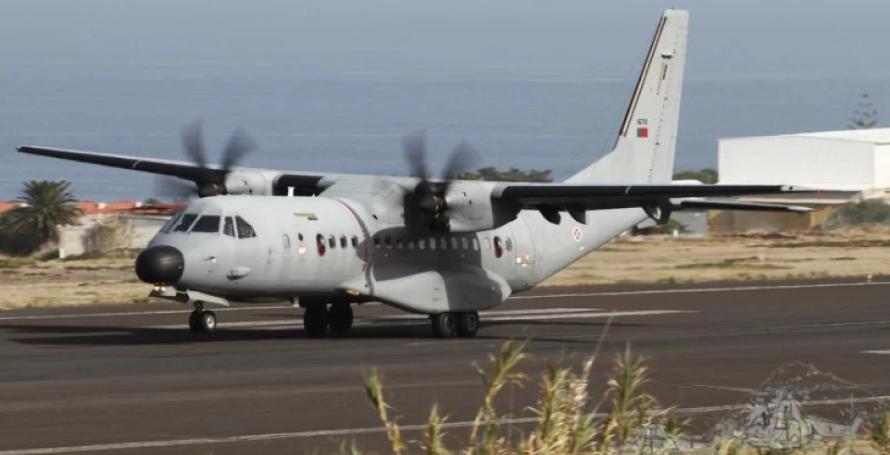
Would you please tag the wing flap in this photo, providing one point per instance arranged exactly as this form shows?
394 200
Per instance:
702 204
600 197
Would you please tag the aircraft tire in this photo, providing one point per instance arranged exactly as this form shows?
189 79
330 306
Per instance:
340 318
207 321
467 324
444 324
315 321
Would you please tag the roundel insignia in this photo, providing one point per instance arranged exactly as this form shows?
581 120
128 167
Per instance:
577 234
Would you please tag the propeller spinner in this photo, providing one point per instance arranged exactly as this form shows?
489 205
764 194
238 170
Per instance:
429 196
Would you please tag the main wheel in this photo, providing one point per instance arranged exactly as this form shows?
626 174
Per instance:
207 321
467 324
340 318
444 325
315 320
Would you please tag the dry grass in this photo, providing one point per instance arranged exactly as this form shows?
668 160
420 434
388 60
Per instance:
26 282
861 253
566 418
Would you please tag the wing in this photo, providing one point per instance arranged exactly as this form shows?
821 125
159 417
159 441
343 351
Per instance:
600 197
173 168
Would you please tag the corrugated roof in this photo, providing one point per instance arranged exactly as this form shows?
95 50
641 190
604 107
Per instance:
874 135
879 136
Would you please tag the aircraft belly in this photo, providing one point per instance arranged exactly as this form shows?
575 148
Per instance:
437 291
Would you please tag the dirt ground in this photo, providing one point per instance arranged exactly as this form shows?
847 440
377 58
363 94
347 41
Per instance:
653 259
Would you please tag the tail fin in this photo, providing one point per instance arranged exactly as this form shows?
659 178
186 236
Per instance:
646 144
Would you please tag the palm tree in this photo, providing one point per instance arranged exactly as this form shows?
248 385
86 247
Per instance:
48 204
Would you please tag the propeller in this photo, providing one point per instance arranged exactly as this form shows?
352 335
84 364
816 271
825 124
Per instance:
212 181
429 196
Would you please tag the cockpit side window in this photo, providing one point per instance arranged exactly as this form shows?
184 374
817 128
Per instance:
171 222
207 223
245 230
185 222
229 227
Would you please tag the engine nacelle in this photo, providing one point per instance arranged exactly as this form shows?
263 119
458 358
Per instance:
470 207
247 182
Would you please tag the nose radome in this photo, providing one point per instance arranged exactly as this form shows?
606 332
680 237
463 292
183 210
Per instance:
162 264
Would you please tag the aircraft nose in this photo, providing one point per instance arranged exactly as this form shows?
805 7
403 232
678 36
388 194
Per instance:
162 264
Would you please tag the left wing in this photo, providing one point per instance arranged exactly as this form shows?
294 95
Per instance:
573 197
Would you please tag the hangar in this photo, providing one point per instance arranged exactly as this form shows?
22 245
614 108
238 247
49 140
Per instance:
851 165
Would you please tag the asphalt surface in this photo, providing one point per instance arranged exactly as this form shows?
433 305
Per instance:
132 379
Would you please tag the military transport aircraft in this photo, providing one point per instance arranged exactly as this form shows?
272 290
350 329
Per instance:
442 247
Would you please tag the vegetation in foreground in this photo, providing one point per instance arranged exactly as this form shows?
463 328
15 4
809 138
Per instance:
568 420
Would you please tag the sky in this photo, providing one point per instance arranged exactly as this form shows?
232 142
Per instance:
332 85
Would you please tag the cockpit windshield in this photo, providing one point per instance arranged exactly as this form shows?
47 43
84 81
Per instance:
207 223
185 222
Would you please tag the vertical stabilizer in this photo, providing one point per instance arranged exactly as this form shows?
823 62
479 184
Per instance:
646 144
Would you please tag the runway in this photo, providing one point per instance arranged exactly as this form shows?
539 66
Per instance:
132 379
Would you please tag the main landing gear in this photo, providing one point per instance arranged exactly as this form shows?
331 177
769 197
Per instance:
451 324
202 320
318 319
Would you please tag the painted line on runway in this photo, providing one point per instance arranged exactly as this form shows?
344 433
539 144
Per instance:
132 313
520 297
697 290
367 430
885 352
411 320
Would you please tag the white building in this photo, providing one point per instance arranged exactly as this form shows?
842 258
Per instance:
852 160
850 165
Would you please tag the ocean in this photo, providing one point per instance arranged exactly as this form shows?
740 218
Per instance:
525 100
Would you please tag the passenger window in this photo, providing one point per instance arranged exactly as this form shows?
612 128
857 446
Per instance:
453 243
332 242
410 244
300 236
463 243
354 241
207 223
432 243
376 241
421 244
185 222
343 241
443 243
475 245
509 244
245 230
285 241
399 243
387 241
229 227
319 245
498 248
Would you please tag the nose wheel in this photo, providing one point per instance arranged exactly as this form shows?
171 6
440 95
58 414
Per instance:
202 321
